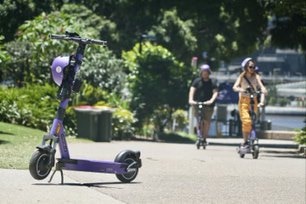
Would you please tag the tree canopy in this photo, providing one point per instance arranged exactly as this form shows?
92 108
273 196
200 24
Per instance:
223 29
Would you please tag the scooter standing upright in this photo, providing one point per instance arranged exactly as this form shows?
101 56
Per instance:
64 70
253 146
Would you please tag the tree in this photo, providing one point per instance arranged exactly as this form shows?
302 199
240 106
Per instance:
34 50
102 69
4 57
287 23
176 35
14 13
157 82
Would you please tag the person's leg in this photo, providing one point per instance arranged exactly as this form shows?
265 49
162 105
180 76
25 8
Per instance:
206 127
244 106
208 111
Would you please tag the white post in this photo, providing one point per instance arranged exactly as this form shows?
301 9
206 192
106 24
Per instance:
191 121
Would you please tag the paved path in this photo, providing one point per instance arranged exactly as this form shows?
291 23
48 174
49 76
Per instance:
171 173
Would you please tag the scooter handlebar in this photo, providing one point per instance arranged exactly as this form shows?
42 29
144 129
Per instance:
78 39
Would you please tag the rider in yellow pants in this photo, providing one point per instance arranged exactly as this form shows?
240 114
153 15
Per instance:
248 79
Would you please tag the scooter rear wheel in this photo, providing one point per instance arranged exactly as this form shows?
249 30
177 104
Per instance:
255 152
132 173
40 165
198 144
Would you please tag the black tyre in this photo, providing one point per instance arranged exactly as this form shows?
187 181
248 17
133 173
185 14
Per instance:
128 159
255 152
242 155
40 165
198 144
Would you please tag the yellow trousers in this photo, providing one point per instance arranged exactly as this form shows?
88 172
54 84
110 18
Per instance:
244 111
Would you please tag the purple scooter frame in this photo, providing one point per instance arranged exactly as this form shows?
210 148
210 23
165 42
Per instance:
127 162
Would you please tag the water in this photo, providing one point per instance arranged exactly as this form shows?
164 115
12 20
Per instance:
285 122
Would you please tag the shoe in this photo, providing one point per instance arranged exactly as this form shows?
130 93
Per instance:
245 145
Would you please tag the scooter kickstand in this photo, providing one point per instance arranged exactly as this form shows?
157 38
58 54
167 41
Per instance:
57 168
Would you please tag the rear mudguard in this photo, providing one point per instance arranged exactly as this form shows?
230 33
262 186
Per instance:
130 153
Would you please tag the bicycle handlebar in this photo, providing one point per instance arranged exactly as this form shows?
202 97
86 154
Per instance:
77 39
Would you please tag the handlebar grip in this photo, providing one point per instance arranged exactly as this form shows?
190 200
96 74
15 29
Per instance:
99 42
54 36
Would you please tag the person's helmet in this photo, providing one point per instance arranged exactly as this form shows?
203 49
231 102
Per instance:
57 68
244 62
205 67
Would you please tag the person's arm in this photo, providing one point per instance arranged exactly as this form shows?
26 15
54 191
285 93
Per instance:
191 95
237 87
263 91
213 98
262 87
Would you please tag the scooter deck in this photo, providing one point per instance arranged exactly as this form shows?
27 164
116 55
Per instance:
92 166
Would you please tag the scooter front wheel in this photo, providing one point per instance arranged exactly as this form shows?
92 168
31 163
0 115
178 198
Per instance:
132 166
40 165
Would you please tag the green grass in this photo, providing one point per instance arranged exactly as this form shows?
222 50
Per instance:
17 143
178 137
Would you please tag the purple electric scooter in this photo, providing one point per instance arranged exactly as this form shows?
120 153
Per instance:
64 69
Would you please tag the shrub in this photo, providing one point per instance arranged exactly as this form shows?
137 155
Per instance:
180 118
300 137
122 123
31 106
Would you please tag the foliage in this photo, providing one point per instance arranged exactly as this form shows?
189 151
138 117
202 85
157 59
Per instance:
300 136
180 118
156 82
89 95
14 13
3 53
33 50
32 106
122 122
105 71
221 28
175 34
4 57
286 23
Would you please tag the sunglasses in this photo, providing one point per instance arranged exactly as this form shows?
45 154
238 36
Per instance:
251 67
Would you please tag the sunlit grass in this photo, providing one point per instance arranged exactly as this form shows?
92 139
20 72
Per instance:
17 143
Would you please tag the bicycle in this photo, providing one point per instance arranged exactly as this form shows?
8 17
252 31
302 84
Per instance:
253 144
64 69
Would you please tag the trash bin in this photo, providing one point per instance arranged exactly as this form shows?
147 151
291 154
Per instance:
266 125
104 126
94 123
232 127
222 113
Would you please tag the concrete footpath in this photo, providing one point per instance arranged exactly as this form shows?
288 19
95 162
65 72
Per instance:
17 186
263 143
